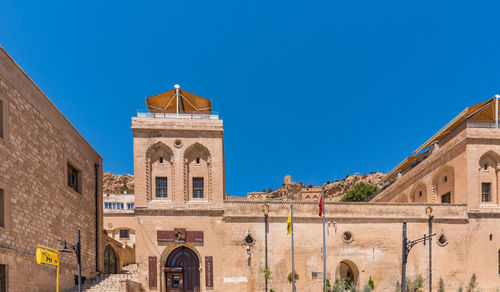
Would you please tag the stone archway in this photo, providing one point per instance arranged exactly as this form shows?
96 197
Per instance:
187 261
110 260
347 270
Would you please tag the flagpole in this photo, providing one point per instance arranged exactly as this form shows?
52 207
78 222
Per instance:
324 237
293 257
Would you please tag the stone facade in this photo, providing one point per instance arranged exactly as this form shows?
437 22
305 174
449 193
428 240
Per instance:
363 240
36 146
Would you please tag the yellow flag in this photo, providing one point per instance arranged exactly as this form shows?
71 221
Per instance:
289 223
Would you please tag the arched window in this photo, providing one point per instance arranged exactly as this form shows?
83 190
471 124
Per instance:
488 176
159 171
443 188
197 163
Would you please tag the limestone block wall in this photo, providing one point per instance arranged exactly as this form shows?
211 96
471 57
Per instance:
180 139
40 208
373 250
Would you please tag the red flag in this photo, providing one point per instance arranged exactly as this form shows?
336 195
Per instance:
321 205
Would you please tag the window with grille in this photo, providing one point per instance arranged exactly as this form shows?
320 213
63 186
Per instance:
1 119
486 192
124 233
161 187
74 178
197 187
2 209
446 198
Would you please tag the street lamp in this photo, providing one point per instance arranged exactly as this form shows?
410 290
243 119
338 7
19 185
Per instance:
265 210
77 250
428 211
407 246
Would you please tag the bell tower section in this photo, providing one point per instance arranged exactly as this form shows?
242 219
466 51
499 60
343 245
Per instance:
178 152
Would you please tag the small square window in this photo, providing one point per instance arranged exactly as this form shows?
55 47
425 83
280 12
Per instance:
74 176
124 233
161 187
446 198
197 187
486 192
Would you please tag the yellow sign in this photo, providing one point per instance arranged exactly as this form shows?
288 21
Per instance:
47 257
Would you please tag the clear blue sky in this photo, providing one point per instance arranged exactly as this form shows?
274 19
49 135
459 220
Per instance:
314 89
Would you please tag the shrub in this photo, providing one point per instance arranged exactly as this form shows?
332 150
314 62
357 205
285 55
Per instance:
371 283
264 190
310 186
271 290
267 274
360 192
270 190
472 283
290 277
441 285
461 289
367 288
412 286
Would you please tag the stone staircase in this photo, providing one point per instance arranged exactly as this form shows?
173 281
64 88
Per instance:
110 282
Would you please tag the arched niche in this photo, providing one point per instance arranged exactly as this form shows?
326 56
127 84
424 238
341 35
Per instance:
443 185
418 193
159 169
488 177
111 260
401 198
197 173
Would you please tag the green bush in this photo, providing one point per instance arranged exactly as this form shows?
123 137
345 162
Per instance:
441 285
367 288
360 192
290 277
271 290
371 283
472 283
268 274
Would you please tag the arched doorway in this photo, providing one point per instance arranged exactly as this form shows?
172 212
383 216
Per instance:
182 271
348 271
110 260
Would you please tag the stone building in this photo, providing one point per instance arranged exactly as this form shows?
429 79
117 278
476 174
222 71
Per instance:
191 236
49 187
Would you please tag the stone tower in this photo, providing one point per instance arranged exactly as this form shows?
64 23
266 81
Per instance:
178 153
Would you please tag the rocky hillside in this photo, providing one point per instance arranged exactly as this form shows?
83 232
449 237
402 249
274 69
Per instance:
118 183
337 189
333 191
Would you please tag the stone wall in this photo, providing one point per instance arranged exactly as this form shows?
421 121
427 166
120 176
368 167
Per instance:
40 208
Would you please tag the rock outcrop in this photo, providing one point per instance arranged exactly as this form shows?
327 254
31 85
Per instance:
333 191
118 183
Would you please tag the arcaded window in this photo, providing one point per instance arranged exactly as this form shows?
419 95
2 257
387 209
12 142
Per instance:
2 209
74 178
446 198
3 277
486 192
161 187
197 187
124 233
1 120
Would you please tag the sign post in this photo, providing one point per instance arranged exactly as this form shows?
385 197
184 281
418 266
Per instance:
47 256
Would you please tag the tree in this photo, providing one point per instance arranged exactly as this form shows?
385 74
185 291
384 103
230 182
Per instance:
360 192
441 285
270 190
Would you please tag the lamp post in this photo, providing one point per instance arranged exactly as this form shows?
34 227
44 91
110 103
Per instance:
76 249
265 210
407 246
428 211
